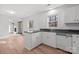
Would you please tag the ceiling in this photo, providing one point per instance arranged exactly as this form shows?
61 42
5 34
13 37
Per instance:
25 10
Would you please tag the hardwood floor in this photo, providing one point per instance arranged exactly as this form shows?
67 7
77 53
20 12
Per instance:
11 44
44 49
14 45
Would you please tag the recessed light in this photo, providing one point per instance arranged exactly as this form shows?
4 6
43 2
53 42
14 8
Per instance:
11 12
52 12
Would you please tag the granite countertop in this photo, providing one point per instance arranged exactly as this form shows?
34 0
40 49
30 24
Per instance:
36 31
62 28
67 31
56 30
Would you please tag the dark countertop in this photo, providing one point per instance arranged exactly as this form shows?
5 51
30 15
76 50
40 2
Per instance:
36 31
46 30
61 31
68 31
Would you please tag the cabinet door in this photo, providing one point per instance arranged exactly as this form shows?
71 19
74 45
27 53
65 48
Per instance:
60 42
51 39
75 47
27 40
77 13
67 15
70 15
36 39
77 44
44 37
68 43
64 42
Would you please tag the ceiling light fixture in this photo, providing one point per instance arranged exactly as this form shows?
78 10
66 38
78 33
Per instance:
11 12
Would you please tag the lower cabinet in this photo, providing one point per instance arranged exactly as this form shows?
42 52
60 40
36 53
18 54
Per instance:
44 38
31 40
68 43
27 41
64 42
60 42
75 47
36 40
49 38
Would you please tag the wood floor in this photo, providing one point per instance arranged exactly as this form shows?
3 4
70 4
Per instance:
44 49
14 45
11 44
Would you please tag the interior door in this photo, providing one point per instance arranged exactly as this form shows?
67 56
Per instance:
20 27
12 27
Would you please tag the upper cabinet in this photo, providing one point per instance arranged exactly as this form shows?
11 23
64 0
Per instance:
77 13
71 15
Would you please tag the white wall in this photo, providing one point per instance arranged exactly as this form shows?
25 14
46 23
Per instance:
15 20
40 20
61 18
4 25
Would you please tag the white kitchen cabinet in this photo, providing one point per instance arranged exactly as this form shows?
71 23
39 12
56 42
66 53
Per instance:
77 13
31 40
75 43
27 41
68 43
70 15
44 37
52 39
64 42
36 39
49 38
60 42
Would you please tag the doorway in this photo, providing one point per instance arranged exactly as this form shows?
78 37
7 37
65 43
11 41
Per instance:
20 27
